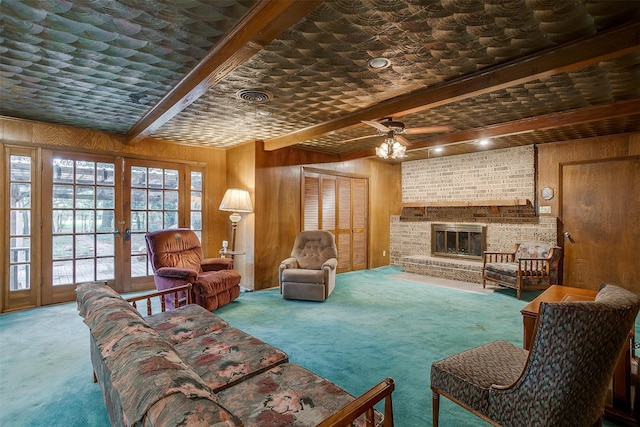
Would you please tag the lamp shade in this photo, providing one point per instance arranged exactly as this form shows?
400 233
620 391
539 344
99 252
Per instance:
236 200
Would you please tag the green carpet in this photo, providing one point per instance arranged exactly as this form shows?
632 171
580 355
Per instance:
371 327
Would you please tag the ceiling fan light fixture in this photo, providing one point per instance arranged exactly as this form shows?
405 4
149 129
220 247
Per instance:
391 148
379 63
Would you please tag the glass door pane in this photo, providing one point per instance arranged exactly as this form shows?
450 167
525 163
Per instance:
83 221
20 227
22 236
154 206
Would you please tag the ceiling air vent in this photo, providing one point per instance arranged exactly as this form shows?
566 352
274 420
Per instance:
254 95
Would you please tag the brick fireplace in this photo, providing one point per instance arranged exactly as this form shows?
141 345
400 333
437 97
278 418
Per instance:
493 190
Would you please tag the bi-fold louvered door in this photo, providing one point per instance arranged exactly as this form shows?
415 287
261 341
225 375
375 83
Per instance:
338 204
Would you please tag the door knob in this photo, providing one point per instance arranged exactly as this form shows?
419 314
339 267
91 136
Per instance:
568 236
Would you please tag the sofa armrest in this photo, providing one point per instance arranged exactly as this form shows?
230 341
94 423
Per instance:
364 404
177 273
216 264
164 295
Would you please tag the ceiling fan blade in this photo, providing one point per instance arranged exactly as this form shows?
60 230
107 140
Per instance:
402 140
357 138
429 129
376 125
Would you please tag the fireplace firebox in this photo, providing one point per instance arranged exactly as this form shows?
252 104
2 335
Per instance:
466 241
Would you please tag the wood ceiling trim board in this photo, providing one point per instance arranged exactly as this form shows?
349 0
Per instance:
604 46
548 121
530 124
261 25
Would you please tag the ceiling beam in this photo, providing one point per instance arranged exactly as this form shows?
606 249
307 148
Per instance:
604 46
531 124
262 24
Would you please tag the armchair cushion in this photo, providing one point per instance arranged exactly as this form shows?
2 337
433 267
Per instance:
502 363
532 250
314 248
300 275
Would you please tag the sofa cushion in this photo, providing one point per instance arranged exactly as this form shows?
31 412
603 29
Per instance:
285 395
224 357
180 410
88 293
185 323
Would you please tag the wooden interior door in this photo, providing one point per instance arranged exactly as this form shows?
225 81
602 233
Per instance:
601 216
339 204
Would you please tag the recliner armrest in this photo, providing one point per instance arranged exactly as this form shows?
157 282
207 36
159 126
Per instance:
216 264
289 263
177 273
332 263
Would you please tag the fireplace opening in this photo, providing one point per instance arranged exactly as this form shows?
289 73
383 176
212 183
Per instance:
466 241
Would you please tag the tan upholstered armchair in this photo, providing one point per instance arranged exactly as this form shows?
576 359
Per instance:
310 272
177 259
533 265
563 381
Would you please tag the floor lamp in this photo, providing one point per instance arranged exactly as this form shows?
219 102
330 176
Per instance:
235 201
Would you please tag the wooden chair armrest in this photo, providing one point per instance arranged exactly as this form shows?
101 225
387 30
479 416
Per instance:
365 403
161 295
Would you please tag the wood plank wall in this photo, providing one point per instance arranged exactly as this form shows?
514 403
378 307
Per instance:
278 180
551 156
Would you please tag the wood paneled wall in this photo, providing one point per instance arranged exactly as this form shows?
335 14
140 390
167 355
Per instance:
551 156
71 139
241 173
277 197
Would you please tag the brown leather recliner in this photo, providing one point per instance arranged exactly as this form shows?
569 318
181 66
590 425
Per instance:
177 259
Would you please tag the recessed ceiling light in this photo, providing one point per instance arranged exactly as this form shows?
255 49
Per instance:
379 63
438 149
263 113
483 142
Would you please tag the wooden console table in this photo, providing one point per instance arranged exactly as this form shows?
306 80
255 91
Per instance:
620 407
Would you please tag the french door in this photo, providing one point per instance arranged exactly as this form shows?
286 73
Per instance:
95 212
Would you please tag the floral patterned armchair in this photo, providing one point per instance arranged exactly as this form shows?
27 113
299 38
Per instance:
533 265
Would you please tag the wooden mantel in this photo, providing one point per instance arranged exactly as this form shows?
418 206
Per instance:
450 204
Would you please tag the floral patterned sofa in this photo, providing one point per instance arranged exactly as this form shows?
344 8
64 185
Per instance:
190 367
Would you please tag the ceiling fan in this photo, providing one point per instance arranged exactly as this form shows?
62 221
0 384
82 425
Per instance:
394 145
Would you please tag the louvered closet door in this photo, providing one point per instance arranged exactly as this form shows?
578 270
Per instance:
340 205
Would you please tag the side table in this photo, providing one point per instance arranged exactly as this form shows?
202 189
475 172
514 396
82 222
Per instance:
230 254
620 408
